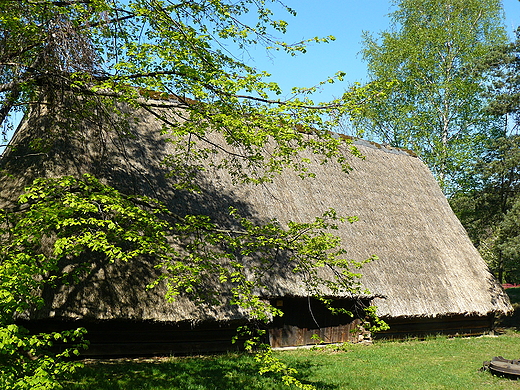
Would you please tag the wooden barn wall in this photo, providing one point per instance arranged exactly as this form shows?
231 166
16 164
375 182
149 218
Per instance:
296 328
114 338
304 318
454 325
301 320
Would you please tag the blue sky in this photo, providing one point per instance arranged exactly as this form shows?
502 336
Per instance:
346 20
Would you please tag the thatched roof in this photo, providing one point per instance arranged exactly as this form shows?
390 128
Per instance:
427 265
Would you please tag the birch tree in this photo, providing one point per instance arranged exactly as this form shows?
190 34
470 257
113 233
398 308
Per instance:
433 103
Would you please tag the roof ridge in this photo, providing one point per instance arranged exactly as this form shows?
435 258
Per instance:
385 147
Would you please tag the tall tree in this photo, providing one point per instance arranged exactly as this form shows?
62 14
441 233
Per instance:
108 52
489 208
502 65
433 103
484 206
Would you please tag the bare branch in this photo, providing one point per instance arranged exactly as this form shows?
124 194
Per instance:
217 91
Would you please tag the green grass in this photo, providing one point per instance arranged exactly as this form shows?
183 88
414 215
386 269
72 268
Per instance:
230 371
440 363
437 363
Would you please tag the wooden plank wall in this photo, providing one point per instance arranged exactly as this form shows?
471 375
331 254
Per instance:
302 319
289 335
295 328
305 317
133 338
456 325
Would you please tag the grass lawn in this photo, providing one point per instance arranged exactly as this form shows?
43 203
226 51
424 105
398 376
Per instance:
436 363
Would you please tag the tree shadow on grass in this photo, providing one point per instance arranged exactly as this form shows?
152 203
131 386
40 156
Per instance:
225 372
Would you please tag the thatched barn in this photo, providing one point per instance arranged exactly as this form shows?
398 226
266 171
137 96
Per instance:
428 277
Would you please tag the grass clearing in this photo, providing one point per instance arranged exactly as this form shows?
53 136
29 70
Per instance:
436 363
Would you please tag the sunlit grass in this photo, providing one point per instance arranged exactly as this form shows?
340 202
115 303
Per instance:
440 363
437 363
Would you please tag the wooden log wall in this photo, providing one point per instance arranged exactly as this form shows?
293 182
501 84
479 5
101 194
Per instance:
295 328
140 338
455 325
307 322
289 336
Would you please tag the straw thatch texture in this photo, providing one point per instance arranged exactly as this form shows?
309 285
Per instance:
427 265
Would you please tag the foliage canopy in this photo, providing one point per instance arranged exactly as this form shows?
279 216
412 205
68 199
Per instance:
146 54
488 208
433 103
